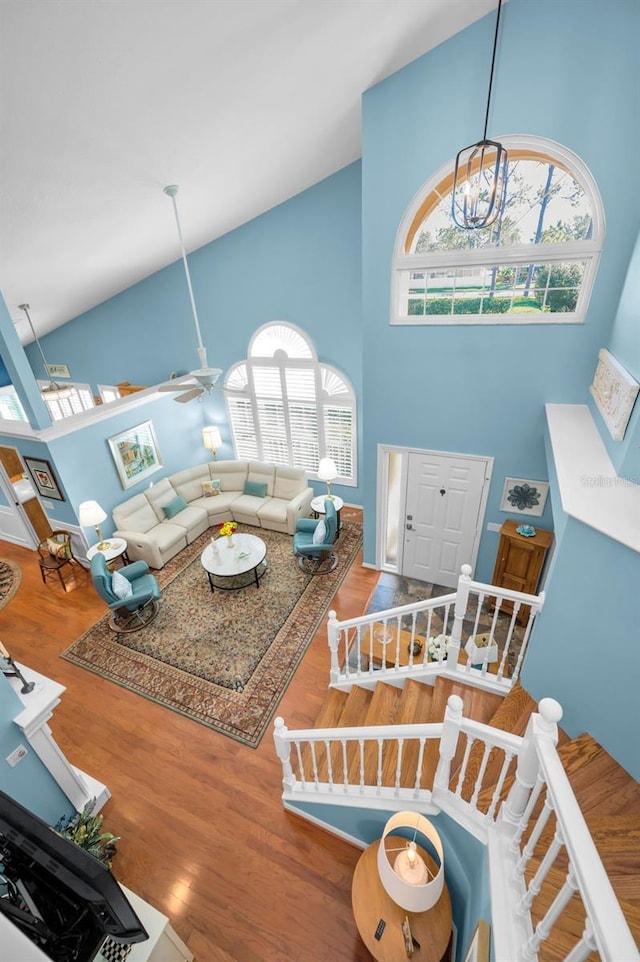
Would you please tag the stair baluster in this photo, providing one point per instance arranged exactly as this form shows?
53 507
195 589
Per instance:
483 766
333 637
463 767
459 612
587 944
543 928
283 751
524 821
416 787
495 798
536 882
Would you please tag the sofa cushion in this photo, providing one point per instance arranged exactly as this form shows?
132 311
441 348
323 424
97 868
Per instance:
273 514
289 482
188 483
246 507
169 537
174 507
262 473
211 489
257 488
232 474
138 516
160 494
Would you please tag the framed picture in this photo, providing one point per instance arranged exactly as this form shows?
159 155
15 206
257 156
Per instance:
524 497
135 453
43 478
478 950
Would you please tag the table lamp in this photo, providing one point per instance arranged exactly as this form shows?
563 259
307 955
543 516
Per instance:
407 879
327 471
211 439
90 513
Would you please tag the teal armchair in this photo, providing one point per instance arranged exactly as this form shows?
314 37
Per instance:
313 542
130 610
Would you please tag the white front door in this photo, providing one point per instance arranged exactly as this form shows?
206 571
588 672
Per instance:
444 498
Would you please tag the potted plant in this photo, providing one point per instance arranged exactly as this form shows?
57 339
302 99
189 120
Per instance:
85 830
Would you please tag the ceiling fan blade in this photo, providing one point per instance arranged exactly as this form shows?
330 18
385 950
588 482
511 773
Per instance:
189 395
176 387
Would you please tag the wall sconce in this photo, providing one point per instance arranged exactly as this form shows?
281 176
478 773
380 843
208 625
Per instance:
90 513
211 439
327 471
409 878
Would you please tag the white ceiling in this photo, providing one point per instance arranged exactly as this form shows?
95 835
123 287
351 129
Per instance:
243 103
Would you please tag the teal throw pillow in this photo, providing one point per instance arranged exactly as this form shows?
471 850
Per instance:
173 507
257 488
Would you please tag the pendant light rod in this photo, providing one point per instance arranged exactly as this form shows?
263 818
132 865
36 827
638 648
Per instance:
171 191
493 63
25 308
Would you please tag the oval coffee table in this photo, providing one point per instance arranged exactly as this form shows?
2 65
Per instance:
235 565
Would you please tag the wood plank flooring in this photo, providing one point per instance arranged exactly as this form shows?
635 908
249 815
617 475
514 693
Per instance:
204 836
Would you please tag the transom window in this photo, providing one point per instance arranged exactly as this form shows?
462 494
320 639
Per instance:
535 264
287 408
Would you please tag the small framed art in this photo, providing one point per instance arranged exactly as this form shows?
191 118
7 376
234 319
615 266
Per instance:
524 497
135 453
478 950
43 478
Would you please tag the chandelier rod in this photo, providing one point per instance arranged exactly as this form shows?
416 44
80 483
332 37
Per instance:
493 63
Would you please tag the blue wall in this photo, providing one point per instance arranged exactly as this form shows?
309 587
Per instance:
29 782
481 390
299 262
585 651
465 859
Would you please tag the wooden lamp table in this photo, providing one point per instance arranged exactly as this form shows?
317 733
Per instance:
432 929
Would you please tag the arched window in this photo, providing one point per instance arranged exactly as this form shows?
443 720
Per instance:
287 408
536 264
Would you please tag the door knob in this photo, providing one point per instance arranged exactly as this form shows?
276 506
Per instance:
409 527
442 491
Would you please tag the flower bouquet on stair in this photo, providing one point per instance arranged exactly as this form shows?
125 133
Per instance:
437 647
227 530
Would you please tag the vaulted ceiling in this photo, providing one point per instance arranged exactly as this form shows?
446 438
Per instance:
243 103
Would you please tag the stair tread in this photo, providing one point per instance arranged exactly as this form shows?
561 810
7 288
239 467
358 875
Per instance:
331 708
414 709
599 783
382 710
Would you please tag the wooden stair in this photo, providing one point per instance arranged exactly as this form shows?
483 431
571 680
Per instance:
608 796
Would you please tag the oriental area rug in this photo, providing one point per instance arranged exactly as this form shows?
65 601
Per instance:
10 578
222 658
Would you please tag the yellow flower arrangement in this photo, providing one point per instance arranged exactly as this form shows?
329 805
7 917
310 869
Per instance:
227 528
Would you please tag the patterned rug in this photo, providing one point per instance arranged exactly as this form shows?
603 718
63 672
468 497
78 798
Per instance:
10 578
224 658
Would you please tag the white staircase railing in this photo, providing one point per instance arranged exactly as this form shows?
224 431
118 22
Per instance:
426 637
463 768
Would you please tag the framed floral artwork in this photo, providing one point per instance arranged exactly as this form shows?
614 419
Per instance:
521 496
135 453
43 478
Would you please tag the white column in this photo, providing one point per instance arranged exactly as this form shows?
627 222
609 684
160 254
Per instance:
39 706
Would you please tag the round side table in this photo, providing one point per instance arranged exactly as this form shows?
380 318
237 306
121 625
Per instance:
117 549
317 506
432 929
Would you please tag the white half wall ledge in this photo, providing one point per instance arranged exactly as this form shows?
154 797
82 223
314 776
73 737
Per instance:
590 488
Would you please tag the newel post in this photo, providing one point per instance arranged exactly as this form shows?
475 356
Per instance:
283 751
333 635
448 741
542 725
459 612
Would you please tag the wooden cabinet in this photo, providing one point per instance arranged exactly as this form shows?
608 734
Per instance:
519 562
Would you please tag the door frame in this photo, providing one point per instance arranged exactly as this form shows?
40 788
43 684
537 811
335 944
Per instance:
382 482
15 508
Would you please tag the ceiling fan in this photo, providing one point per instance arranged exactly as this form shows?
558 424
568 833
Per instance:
204 376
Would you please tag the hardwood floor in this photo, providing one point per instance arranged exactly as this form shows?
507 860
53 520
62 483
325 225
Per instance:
204 836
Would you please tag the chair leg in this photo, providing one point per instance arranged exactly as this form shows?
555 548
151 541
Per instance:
123 620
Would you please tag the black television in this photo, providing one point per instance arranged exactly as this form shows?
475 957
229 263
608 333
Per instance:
64 899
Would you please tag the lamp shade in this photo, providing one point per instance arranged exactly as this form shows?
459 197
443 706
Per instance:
404 873
90 512
211 438
327 470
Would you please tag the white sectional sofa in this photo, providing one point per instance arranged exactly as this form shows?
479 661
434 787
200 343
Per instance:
157 525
